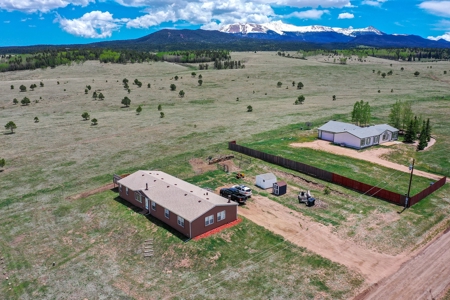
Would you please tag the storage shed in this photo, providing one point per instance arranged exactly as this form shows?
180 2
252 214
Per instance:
279 188
265 181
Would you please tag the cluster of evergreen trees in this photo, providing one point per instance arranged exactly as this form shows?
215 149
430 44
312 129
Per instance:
361 113
416 128
56 57
228 64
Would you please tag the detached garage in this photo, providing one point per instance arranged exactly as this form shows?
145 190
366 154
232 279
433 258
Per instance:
265 181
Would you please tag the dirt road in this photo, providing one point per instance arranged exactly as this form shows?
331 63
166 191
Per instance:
426 276
304 232
372 155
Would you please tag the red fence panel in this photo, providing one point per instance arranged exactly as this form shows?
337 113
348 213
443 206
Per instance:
428 191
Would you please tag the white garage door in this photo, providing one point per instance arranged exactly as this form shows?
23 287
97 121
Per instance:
328 136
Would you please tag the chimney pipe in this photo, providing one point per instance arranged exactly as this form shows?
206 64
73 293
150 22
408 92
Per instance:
229 198
146 186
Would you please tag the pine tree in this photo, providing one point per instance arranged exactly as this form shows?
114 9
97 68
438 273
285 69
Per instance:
409 135
395 115
428 130
422 138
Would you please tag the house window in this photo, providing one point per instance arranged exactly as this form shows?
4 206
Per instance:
385 136
180 221
209 220
363 142
221 216
137 197
375 139
120 187
368 141
395 135
126 191
153 205
166 213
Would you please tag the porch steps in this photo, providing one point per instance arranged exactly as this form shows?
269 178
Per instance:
148 248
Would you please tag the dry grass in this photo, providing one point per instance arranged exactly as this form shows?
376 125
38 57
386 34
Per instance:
63 155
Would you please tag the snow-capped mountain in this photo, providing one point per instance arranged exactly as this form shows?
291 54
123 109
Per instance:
282 29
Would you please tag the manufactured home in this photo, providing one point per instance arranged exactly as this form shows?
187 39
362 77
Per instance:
356 137
187 208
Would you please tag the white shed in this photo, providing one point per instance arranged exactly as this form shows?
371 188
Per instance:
265 181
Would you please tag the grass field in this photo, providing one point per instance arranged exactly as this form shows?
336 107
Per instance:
63 155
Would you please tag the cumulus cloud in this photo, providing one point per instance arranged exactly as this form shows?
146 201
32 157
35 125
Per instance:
95 24
39 5
346 16
308 14
439 8
6 22
445 36
309 3
208 13
373 2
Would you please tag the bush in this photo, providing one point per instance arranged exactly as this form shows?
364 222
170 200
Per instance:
36 120
12 86
94 121
299 100
15 101
85 115
23 88
416 73
279 84
181 93
249 108
327 190
138 110
161 115
159 107
25 101
173 87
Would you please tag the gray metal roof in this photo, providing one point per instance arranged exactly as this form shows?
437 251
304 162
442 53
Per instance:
336 126
267 176
360 132
180 197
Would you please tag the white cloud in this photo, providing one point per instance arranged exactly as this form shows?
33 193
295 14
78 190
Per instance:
439 8
309 3
308 14
346 16
6 22
209 13
373 2
445 36
39 5
95 24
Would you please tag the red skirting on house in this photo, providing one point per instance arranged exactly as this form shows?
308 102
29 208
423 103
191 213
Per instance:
218 229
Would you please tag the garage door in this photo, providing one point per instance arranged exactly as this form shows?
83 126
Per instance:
328 136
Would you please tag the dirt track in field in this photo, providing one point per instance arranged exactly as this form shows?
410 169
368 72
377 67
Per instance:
318 238
372 155
426 276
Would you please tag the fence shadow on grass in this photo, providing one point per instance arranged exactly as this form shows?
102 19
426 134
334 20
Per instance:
150 218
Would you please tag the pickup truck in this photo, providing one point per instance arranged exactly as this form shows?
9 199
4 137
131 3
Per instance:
234 195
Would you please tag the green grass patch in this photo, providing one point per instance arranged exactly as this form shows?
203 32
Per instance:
202 101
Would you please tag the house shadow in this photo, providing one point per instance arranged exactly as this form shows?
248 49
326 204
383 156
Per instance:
150 218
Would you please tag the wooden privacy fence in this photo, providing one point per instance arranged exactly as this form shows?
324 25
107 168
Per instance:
364 188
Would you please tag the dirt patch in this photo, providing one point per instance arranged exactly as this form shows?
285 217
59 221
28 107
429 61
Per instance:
103 188
17 240
372 155
200 166
316 237
230 165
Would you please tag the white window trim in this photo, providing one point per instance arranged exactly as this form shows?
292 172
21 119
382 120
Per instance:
368 141
153 205
209 220
221 216
166 213
120 187
137 197
126 191
363 142
180 221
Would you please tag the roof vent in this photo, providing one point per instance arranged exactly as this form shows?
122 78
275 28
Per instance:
207 198
154 180
185 194
168 186
142 174
175 184
192 191
199 201
162 178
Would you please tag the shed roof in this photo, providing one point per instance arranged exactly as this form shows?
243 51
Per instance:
281 183
267 176
180 197
360 132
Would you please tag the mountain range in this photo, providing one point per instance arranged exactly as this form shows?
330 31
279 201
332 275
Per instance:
272 36
368 36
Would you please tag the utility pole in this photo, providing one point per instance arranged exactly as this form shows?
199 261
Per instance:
411 167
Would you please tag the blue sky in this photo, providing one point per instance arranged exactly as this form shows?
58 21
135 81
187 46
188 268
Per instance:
32 22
